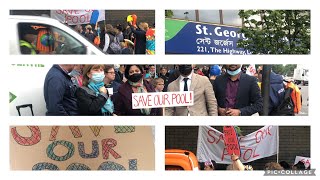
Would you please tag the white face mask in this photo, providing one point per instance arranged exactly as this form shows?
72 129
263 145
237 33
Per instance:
235 72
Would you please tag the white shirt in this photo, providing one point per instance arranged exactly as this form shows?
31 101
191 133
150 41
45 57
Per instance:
182 82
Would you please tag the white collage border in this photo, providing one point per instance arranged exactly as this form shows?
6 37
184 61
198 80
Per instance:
159 6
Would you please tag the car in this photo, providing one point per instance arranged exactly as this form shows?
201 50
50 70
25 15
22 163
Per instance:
178 159
53 36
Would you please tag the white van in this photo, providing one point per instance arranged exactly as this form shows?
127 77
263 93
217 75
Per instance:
70 41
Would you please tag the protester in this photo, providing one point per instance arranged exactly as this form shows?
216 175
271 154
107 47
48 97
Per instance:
285 165
120 74
76 74
204 100
93 97
152 71
299 166
127 47
147 77
158 84
79 29
213 73
89 33
140 37
165 76
134 84
27 35
237 93
109 80
111 42
273 166
236 164
59 92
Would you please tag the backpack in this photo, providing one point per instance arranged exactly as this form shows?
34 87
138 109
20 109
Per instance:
114 46
286 107
96 41
295 96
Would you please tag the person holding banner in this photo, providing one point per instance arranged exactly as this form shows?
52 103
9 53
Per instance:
134 84
237 93
93 97
205 103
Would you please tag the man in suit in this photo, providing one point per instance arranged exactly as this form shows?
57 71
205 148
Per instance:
205 103
238 94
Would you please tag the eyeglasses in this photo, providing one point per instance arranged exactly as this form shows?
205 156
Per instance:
111 72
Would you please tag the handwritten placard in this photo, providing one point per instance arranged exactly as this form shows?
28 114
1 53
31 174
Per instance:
231 140
81 148
162 99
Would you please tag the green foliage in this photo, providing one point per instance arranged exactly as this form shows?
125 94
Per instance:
276 31
168 13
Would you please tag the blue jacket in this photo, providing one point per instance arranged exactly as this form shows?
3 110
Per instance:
276 90
59 93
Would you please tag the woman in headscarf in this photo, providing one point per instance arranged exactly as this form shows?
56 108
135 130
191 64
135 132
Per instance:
93 97
134 84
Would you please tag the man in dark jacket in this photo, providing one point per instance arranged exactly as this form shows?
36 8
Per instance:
238 94
140 38
59 91
277 91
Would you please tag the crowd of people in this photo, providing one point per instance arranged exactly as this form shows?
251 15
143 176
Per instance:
107 90
121 39
237 165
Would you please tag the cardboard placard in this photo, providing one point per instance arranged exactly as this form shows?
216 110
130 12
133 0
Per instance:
81 148
231 140
162 99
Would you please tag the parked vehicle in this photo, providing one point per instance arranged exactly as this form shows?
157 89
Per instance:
177 159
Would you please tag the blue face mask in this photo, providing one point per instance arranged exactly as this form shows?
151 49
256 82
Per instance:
233 73
97 77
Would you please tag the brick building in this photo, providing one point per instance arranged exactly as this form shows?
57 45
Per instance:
293 141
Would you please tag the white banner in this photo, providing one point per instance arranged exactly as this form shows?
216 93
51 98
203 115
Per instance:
251 70
306 161
257 145
74 17
162 99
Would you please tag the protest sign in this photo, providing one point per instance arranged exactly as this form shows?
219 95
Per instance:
231 140
74 17
81 148
306 161
259 144
162 99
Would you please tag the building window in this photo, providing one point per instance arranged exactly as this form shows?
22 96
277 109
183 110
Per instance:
211 16
184 14
231 17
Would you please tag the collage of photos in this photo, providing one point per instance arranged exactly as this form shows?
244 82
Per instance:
110 87
86 32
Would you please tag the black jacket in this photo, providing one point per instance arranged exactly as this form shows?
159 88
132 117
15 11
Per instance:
141 40
89 103
248 100
59 93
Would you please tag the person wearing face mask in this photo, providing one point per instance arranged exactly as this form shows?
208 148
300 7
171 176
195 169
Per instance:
134 84
204 104
237 93
93 97
59 91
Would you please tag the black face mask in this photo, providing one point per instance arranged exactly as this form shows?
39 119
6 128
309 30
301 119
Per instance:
185 69
135 77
